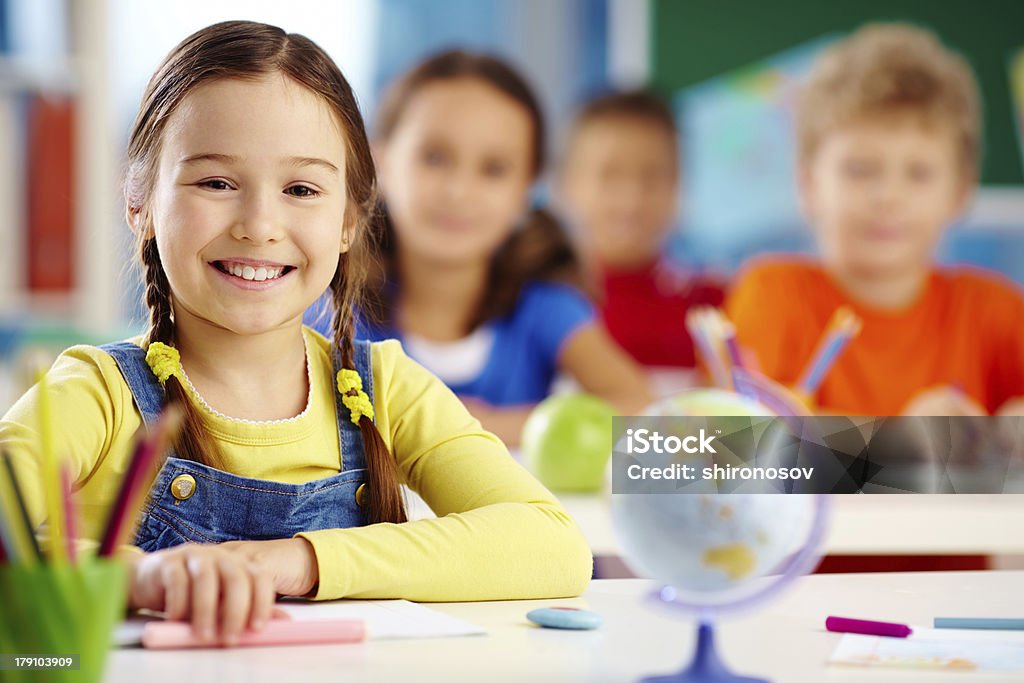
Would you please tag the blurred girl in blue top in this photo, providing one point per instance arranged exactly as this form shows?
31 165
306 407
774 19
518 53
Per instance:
481 290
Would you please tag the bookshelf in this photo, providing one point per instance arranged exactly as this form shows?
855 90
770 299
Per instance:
92 303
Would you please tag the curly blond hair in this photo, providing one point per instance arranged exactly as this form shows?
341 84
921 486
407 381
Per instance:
884 69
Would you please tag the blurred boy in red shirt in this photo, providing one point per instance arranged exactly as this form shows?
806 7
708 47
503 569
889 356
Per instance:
619 182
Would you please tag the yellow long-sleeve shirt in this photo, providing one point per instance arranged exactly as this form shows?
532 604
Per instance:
499 533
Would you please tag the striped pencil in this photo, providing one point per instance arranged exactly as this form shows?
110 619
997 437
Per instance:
710 347
843 326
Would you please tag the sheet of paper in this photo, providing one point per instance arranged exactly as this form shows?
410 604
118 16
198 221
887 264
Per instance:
927 648
384 619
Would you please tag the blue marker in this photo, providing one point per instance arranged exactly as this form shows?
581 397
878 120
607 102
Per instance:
980 623
566 618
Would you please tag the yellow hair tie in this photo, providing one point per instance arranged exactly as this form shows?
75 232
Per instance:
163 360
350 384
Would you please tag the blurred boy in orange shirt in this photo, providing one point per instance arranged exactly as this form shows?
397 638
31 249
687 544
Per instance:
888 138
619 181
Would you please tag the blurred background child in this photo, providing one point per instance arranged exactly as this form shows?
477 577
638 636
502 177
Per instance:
480 289
889 135
618 182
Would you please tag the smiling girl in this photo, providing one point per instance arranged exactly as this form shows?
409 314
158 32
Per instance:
249 184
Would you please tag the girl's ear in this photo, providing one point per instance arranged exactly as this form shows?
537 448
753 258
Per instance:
348 229
139 222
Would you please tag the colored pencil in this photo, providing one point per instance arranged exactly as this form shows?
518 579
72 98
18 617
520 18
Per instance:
22 545
709 344
843 326
70 522
50 472
131 495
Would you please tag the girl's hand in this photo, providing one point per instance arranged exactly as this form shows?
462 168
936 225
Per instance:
945 401
1012 407
290 562
220 591
1010 428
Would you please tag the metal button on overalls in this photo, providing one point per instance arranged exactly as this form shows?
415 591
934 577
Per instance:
183 486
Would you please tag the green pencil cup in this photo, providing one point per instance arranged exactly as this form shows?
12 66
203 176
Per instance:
49 612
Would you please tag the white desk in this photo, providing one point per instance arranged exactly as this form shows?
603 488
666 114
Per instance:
785 642
920 524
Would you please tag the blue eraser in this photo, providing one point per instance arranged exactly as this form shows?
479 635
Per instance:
565 617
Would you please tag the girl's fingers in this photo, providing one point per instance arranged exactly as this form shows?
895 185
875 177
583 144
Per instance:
204 594
237 597
263 597
176 589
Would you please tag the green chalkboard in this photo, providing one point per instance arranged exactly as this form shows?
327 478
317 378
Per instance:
697 39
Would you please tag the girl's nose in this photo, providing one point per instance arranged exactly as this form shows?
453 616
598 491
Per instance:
259 221
458 183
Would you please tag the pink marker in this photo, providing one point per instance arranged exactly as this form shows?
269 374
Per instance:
173 635
868 628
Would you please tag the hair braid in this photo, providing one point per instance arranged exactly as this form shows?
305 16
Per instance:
193 442
385 493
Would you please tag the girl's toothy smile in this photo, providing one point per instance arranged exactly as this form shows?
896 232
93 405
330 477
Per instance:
245 272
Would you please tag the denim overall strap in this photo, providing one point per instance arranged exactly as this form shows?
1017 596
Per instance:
145 388
350 438
192 502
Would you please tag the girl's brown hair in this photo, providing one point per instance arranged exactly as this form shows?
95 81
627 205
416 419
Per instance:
537 250
249 50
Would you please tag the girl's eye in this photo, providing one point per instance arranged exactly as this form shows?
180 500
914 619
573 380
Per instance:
215 184
303 191
920 172
495 169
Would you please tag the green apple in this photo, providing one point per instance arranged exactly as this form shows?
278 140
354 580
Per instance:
567 441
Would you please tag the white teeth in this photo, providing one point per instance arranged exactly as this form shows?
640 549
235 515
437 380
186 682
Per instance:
257 274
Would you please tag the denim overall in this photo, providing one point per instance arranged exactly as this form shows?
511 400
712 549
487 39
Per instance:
193 503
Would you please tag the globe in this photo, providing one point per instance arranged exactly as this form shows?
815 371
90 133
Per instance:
718 552
713 552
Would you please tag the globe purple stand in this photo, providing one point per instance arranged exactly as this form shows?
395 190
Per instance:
707 666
